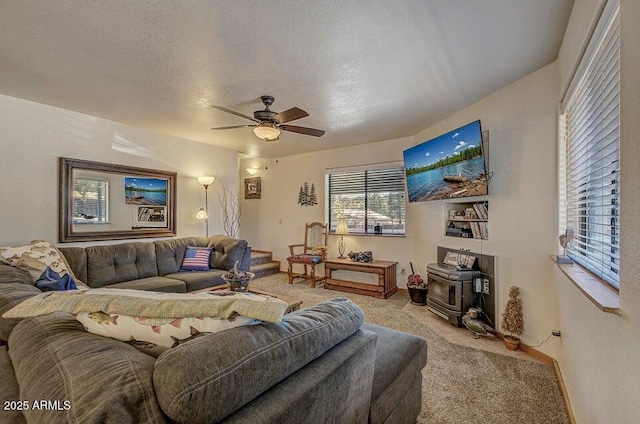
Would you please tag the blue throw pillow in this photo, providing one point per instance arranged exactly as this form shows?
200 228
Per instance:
52 281
196 259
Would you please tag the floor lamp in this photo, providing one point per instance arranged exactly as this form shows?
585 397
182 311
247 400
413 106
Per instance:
342 229
204 214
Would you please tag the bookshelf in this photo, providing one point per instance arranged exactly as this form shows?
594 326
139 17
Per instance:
467 219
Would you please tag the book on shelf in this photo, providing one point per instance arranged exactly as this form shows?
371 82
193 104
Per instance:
481 210
476 208
484 231
475 229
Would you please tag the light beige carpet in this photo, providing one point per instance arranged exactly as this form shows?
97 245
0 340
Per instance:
460 384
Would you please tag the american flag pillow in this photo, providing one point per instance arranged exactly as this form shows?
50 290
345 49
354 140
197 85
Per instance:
196 259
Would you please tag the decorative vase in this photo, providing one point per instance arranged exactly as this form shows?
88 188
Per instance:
512 342
239 283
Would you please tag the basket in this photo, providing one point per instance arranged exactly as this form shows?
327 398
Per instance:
239 284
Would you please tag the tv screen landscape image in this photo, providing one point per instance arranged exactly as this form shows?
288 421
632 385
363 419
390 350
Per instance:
449 166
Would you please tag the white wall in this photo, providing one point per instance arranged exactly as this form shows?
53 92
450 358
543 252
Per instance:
599 352
33 136
521 119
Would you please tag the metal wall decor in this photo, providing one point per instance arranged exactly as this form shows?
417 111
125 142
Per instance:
252 188
306 196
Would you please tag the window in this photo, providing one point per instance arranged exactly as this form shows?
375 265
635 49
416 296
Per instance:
592 121
367 199
90 200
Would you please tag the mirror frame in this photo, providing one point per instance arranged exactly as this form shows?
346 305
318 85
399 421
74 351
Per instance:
66 166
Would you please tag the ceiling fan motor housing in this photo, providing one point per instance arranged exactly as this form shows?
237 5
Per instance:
264 115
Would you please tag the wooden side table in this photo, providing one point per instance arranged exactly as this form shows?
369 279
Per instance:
386 271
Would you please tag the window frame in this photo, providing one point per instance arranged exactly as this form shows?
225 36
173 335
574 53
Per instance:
105 198
367 183
591 98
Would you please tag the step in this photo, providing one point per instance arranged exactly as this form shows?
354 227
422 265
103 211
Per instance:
262 270
260 257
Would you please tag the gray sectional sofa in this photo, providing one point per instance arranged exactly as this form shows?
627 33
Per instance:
322 364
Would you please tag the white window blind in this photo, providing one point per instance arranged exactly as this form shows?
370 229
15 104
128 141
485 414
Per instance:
366 198
90 200
592 119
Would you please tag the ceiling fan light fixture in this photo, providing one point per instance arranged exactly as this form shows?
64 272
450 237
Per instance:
266 131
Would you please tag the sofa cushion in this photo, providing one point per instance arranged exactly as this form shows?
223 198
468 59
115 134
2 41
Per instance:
158 284
11 274
103 380
170 253
334 388
393 378
11 294
77 259
9 391
226 251
120 262
196 259
193 381
197 280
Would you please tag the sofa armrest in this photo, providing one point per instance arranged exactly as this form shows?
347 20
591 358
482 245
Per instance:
245 263
192 381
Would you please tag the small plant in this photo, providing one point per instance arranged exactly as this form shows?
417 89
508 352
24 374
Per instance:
512 322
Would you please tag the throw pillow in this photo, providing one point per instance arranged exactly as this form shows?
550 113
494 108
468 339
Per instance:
40 250
51 280
196 259
155 335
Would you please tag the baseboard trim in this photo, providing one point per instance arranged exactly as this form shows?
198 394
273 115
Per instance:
543 357
563 391
403 290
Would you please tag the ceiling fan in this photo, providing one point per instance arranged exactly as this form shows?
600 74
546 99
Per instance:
269 123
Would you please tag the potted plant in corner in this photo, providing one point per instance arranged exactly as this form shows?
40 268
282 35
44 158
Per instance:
512 322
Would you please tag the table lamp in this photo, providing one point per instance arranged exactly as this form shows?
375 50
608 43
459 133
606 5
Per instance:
342 230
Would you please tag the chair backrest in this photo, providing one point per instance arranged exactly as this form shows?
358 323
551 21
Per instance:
315 234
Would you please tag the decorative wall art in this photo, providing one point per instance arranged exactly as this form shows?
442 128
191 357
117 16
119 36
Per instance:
307 197
252 188
145 191
149 217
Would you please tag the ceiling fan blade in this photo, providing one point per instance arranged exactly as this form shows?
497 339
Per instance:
233 112
290 115
302 130
233 126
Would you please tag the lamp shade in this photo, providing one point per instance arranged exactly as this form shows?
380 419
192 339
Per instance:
252 171
342 226
202 214
206 181
266 131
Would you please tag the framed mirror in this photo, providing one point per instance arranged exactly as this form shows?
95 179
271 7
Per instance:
101 201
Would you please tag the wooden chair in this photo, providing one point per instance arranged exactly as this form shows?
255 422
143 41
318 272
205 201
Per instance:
309 254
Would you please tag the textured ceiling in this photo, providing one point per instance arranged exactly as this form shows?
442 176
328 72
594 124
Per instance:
364 70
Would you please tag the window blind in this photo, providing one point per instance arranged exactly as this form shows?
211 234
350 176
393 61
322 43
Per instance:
592 120
366 198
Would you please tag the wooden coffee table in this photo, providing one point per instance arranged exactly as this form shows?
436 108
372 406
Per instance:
294 305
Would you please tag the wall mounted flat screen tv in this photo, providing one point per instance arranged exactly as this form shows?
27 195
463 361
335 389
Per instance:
449 166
